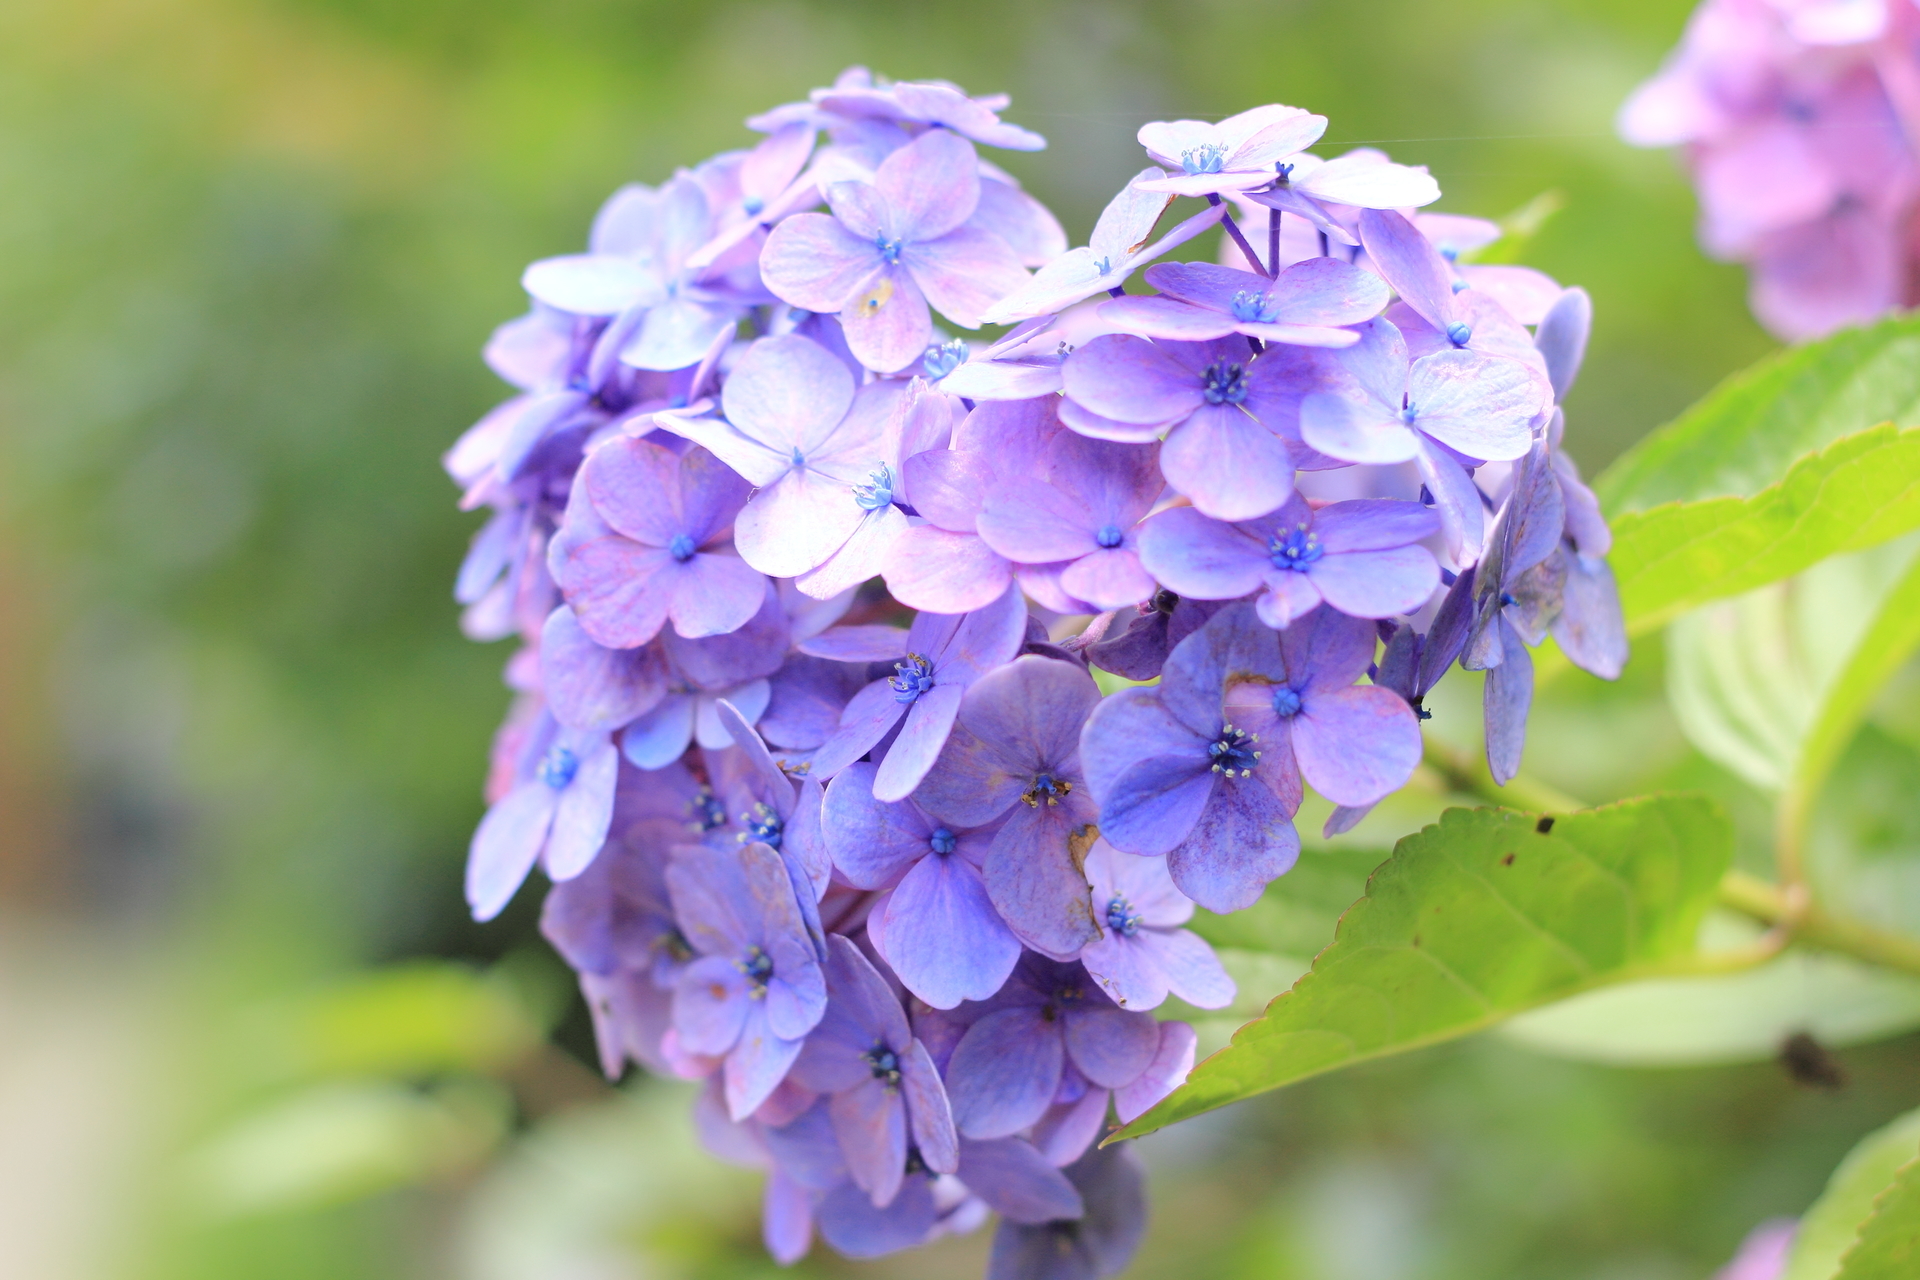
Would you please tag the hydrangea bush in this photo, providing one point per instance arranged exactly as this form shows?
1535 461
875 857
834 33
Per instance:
888 700
1800 121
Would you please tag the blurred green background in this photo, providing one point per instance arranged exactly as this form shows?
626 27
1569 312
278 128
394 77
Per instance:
249 250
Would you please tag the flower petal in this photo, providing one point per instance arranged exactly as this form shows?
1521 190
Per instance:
1231 466
812 261
1004 1072
944 938
1244 840
505 846
785 388
964 273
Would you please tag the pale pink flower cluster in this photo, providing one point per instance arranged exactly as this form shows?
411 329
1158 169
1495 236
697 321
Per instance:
1800 120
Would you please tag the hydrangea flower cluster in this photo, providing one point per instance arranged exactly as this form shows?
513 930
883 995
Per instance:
1800 121
817 606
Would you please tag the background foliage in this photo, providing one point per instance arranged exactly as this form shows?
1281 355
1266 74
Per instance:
248 252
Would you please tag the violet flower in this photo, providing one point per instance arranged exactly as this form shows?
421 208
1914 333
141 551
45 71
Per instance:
937 928
885 1094
1360 179
557 814
1018 1181
918 420
928 102
943 565
1433 411
1305 305
1175 772
1517 595
1362 557
733 667
1006 1069
1238 154
1121 242
1208 400
1083 518
613 923
811 447
757 989
646 540
1435 312
1015 752
1355 743
893 246
1101 1242
589 686
1142 954
637 272
945 654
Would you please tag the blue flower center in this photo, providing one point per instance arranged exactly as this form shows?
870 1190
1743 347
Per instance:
1286 702
884 1063
758 966
1109 536
1458 333
1209 158
1103 266
1460 286
557 767
914 676
1285 170
945 358
943 841
1409 414
877 492
1048 789
889 249
753 205
1068 996
681 548
1225 383
1121 917
1232 752
1450 252
1294 549
1249 307
764 825
707 811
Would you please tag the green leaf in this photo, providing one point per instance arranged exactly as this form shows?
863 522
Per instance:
1888 1247
1859 491
1829 1228
1773 684
1750 431
1472 920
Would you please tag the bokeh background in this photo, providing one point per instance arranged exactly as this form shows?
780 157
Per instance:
249 250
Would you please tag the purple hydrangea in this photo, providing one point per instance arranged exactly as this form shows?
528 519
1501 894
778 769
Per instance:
805 734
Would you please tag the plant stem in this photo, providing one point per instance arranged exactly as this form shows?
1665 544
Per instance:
1273 242
1466 773
1818 927
1233 229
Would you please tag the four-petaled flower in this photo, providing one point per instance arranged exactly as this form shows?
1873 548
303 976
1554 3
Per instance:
893 245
